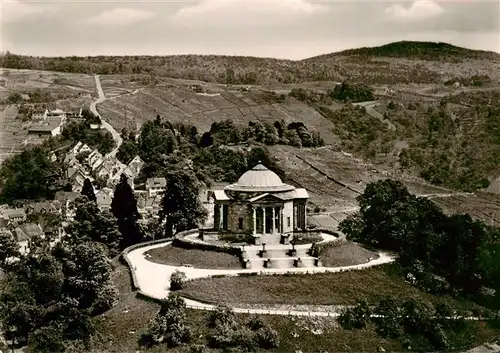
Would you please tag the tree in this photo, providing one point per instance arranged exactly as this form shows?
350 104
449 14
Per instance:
124 208
293 138
356 317
29 175
88 190
88 273
127 151
9 248
90 224
47 339
181 205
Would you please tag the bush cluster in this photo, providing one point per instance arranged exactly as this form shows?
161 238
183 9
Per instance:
408 320
170 323
227 333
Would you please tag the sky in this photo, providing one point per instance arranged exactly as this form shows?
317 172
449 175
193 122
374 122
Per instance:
290 29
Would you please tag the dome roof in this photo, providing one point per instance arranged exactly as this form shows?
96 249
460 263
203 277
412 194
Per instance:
259 178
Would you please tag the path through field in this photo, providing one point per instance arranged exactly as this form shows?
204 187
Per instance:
105 124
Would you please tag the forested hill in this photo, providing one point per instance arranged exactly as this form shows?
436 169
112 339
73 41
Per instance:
431 51
252 70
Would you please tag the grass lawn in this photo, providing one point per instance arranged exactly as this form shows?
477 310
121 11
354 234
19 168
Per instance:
346 254
121 327
171 255
340 288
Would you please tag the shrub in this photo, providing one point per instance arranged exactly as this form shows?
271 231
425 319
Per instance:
170 324
105 299
222 316
390 324
245 338
355 318
417 316
177 280
177 333
437 337
255 323
221 336
268 338
46 340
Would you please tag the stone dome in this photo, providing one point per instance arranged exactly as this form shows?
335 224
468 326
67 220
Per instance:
259 178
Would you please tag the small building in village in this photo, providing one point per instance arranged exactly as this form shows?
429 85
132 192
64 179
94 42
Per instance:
155 185
49 127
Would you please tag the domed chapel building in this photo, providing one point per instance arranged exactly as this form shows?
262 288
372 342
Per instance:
261 205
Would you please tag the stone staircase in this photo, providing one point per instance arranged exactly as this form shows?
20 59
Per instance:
284 257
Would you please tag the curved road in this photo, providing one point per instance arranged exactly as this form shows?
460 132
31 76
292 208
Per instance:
153 280
93 108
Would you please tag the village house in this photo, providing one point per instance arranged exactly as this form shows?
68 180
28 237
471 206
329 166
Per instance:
39 114
24 233
77 178
156 186
79 148
12 215
57 113
74 114
148 205
67 198
95 160
53 207
49 127
104 198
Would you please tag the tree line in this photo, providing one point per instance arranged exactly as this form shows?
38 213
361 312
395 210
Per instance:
444 254
346 91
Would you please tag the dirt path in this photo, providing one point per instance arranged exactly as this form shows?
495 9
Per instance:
369 106
93 108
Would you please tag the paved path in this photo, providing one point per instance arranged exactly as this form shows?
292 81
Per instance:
153 280
93 108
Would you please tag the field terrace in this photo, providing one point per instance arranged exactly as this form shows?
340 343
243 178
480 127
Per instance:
12 134
481 205
179 103
65 84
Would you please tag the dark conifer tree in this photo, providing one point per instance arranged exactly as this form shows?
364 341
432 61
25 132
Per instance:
88 190
124 208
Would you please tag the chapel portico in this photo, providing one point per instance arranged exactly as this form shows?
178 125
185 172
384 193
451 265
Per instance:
260 204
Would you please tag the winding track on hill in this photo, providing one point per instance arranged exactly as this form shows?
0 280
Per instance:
93 108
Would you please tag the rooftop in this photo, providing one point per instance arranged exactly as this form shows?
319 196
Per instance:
49 125
259 178
156 182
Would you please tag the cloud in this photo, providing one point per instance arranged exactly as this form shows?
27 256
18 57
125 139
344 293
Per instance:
120 17
13 11
417 11
245 13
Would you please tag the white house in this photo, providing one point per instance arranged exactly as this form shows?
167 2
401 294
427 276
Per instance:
39 114
155 185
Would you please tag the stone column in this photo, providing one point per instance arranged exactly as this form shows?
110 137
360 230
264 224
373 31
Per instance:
221 216
254 218
281 220
274 221
305 216
264 220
